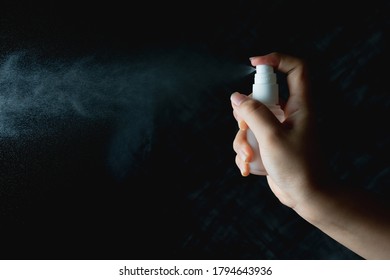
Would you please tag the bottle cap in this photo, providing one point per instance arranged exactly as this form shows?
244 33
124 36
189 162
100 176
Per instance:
265 88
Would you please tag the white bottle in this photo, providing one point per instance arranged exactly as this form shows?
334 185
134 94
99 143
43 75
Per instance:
265 90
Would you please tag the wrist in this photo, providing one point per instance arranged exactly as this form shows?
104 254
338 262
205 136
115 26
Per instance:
317 203
319 196
312 208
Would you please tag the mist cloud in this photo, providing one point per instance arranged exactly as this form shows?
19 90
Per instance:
126 91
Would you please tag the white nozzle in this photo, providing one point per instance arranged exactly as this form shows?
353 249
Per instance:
265 88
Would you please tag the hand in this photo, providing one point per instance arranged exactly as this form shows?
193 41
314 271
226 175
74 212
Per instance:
287 149
294 167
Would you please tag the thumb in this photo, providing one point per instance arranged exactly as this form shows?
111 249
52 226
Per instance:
256 115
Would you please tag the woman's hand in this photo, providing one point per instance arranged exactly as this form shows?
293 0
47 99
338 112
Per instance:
286 149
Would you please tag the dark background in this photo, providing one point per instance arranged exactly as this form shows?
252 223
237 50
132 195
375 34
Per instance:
159 182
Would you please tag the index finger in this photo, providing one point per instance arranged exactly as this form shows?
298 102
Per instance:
297 76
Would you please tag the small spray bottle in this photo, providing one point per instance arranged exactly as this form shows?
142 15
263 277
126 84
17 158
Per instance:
265 90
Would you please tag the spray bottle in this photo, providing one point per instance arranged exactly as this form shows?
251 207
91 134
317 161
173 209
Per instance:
266 90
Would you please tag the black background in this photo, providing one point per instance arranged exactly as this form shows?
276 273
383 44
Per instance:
182 196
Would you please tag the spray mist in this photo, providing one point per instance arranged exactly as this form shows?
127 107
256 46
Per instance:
266 90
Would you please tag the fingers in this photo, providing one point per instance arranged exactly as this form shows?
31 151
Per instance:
243 166
241 146
243 152
297 77
244 155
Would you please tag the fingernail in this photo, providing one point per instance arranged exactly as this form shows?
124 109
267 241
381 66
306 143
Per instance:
252 57
245 170
237 98
242 125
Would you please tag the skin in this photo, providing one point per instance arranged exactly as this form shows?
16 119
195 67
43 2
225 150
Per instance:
295 169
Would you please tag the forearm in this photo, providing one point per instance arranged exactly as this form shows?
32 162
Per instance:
355 218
